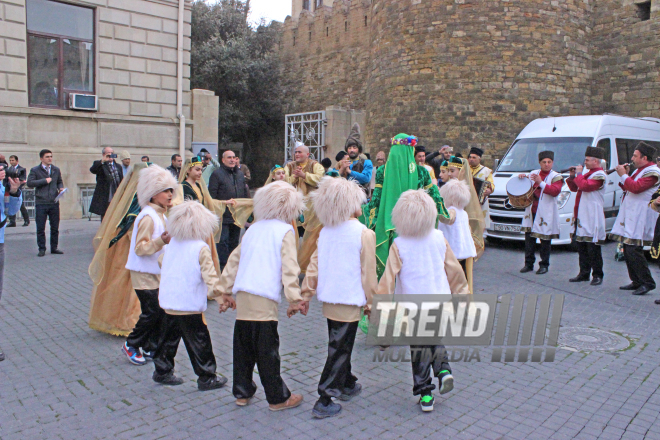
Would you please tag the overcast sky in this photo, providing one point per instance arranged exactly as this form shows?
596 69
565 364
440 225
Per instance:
270 10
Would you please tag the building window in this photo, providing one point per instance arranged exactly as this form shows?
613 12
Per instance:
318 4
306 5
60 52
327 31
365 20
345 26
644 10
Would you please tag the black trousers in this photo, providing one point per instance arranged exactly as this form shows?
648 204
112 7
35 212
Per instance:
24 213
337 375
229 238
197 339
52 214
530 248
423 358
147 330
591 259
257 342
638 267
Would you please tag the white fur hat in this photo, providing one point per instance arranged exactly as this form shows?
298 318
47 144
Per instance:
414 214
153 180
455 193
191 221
336 200
278 200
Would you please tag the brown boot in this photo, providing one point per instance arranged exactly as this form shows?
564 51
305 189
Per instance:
292 402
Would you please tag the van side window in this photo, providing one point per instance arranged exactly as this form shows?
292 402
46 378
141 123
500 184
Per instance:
626 147
606 145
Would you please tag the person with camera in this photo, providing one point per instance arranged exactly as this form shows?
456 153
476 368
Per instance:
7 209
15 170
46 179
108 177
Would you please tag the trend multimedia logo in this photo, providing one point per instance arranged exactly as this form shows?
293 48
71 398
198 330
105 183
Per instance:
520 327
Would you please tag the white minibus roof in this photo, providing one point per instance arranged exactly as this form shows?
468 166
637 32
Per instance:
587 126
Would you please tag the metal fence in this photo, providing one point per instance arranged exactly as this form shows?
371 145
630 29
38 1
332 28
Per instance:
86 194
28 201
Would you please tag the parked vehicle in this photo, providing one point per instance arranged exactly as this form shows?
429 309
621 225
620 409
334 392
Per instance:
568 137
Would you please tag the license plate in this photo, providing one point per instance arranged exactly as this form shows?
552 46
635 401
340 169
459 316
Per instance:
506 228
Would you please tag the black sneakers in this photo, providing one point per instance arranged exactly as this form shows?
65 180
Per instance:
2 355
321 411
349 394
167 379
446 381
426 402
212 384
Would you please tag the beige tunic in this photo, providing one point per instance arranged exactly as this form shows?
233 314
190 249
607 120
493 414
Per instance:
343 312
251 307
145 246
455 276
314 172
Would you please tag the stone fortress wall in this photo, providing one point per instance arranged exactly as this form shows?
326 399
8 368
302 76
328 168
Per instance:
472 72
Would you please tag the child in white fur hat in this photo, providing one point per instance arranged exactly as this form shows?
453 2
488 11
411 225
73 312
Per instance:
456 195
188 279
422 262
154 191
342 272
264 263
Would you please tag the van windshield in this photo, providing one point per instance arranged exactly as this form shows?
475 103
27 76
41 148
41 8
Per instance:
524 154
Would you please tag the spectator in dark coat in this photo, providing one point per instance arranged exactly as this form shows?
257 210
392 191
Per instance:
46 179
228 183
22 177
175 167
108 177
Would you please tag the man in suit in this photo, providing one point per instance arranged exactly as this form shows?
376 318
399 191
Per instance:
108 177
22 177
46 179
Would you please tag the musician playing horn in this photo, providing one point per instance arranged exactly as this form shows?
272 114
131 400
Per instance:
635 223
542 217
483 173
588 215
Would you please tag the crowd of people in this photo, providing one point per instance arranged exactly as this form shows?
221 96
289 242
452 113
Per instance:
170 240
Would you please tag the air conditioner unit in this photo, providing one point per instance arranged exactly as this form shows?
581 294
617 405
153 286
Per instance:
78 101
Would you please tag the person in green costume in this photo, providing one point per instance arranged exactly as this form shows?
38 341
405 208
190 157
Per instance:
401 173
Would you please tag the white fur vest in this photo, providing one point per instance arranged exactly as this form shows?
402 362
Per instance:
182 287
340 271
149 263
423 265
260 266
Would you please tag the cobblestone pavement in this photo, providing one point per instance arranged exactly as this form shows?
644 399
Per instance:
63 380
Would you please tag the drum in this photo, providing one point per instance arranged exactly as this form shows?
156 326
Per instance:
521 192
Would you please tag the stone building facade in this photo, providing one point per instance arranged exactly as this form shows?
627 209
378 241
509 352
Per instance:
471 72
122 51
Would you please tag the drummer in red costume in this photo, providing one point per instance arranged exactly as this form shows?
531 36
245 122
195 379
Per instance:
588 216
542 217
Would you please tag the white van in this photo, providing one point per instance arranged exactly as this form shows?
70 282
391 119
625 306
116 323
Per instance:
568 137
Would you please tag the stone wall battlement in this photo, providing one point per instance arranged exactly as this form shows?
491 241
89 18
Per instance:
472 72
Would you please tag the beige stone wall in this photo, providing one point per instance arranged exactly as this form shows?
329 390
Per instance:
136 54
205 111
340 121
